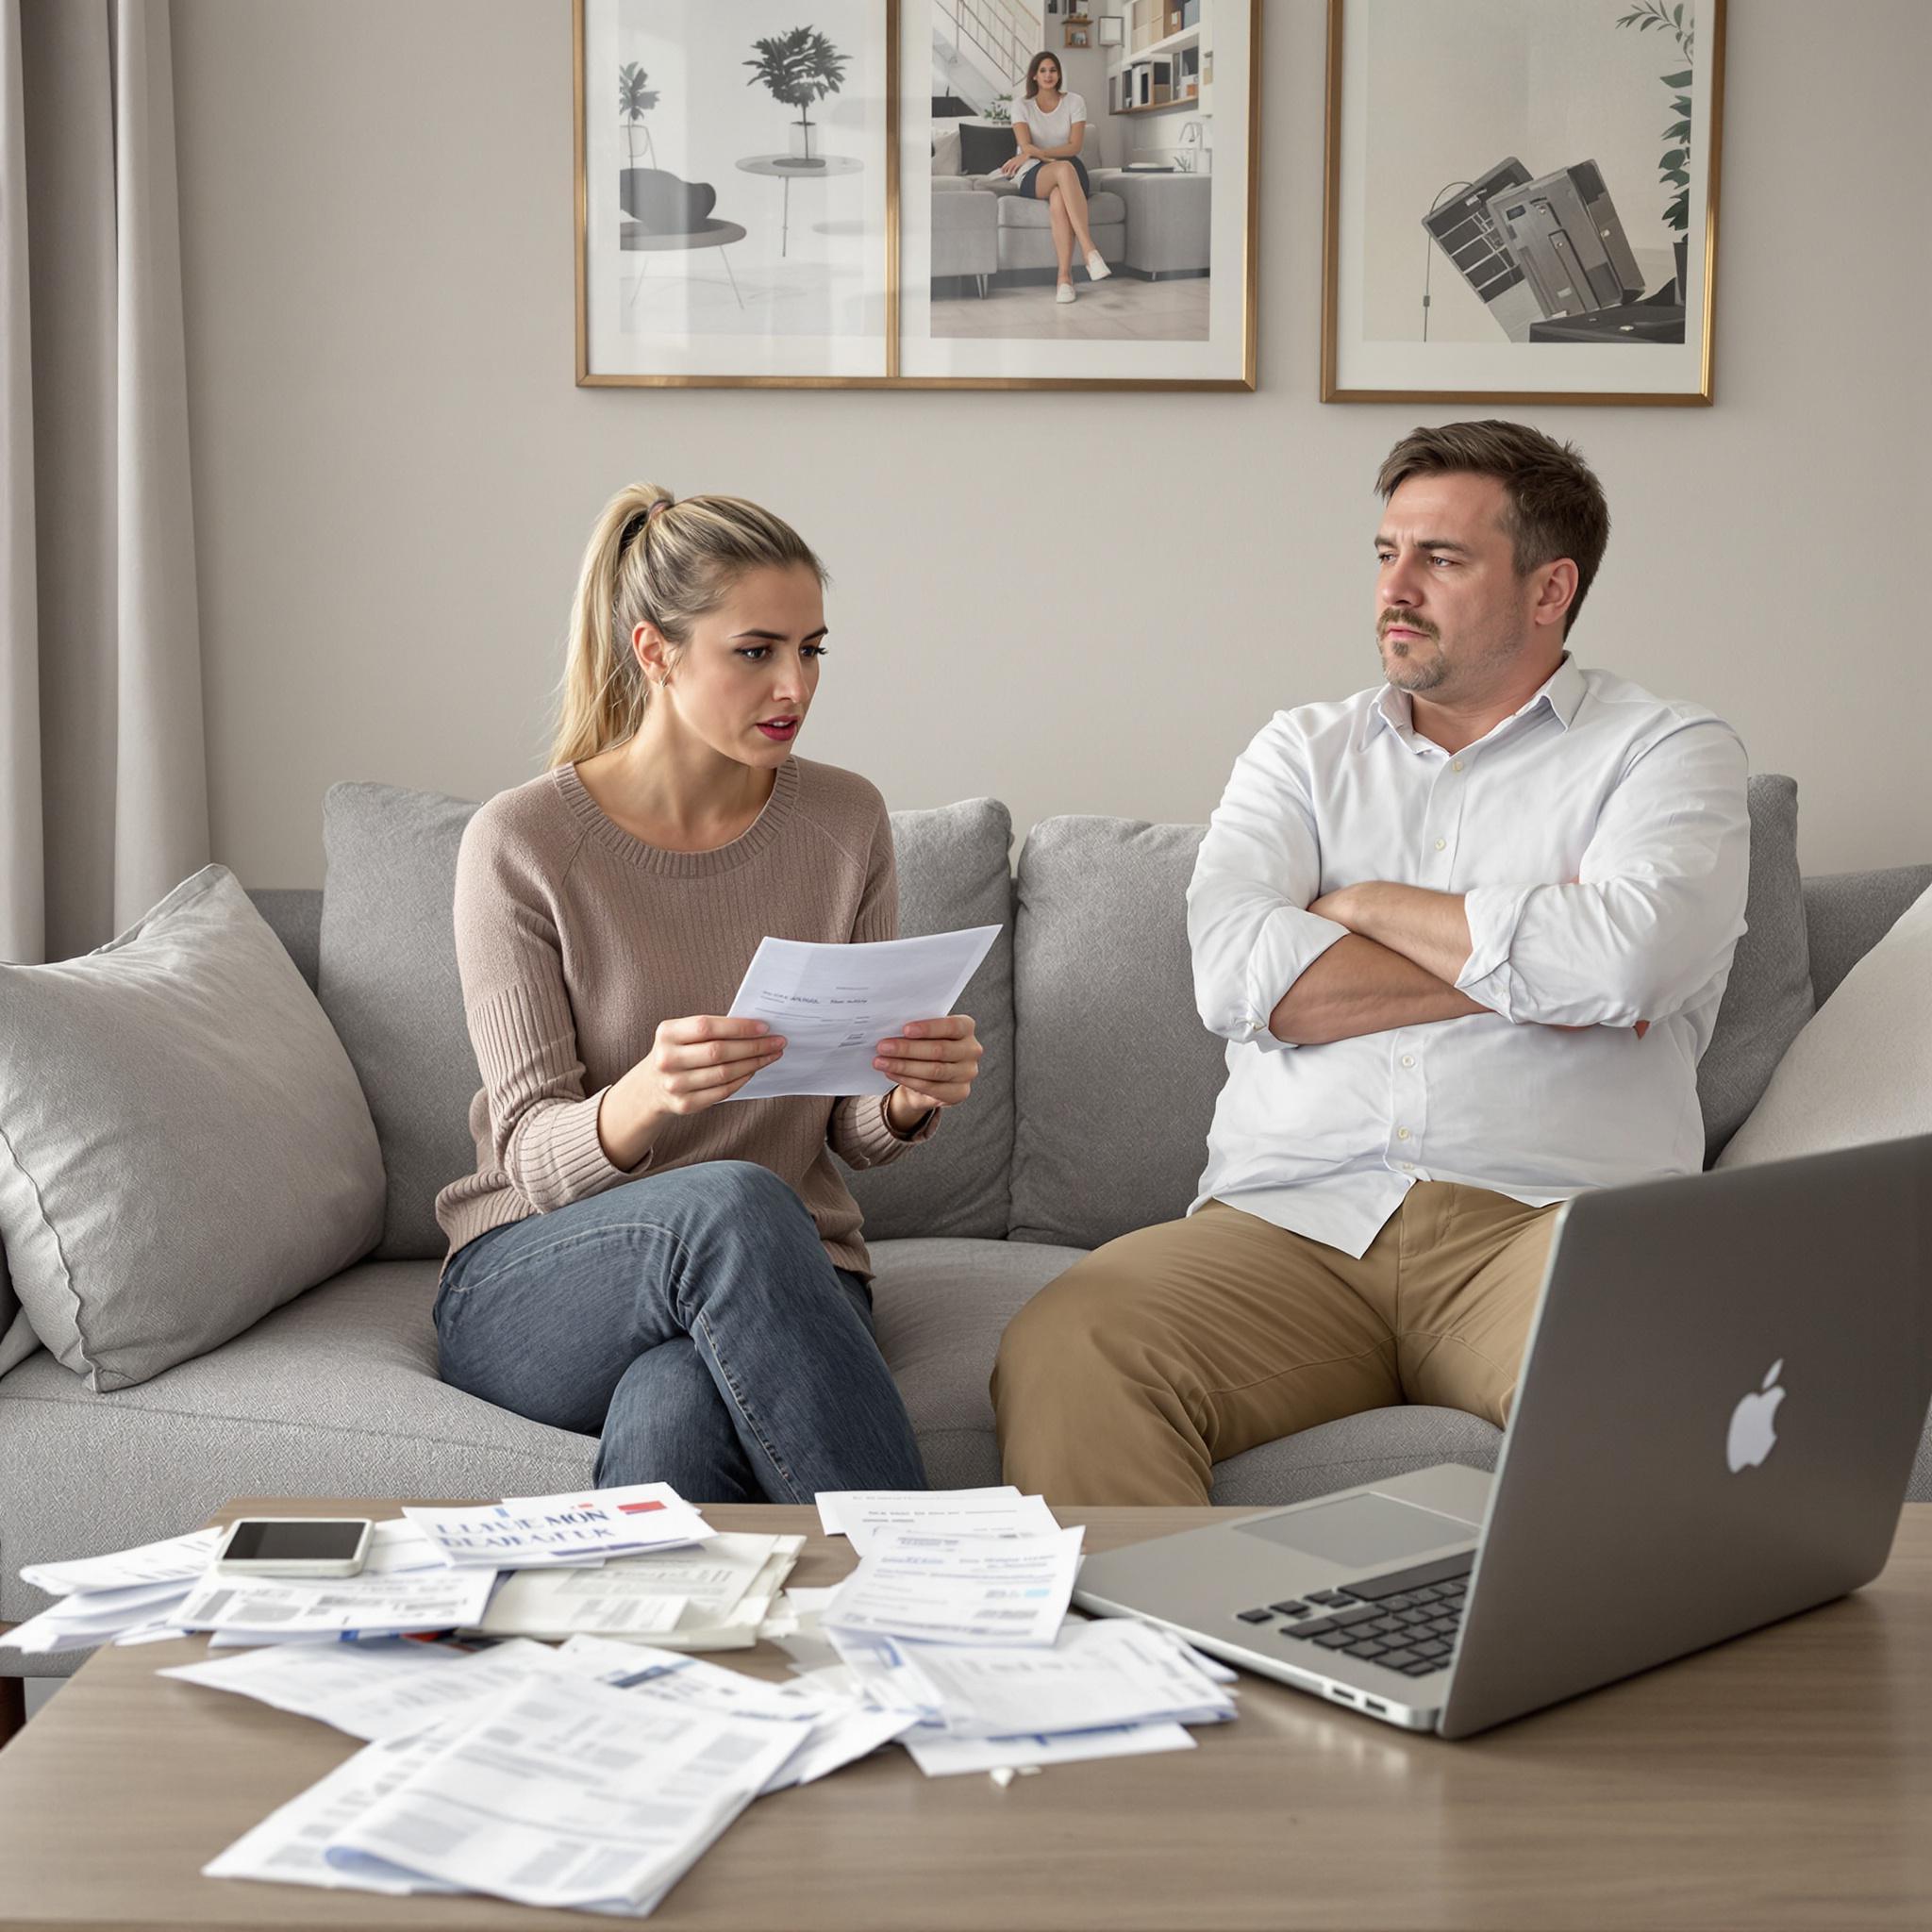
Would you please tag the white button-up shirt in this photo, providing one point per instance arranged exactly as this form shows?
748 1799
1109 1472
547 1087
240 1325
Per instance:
1637 800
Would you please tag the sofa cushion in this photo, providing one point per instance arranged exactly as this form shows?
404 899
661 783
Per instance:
1117 1078
183 1146
955 871
940 1309
388 981
1847 913
1862 1070
664 203
1768 997
984 149
387 978
1366 1448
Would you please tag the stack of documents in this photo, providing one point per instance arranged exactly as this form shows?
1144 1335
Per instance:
716 1597
117 1598
956 1614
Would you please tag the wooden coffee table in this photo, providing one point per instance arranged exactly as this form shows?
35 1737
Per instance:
1783 1780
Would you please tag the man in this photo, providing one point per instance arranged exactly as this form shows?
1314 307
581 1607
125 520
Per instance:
1465 933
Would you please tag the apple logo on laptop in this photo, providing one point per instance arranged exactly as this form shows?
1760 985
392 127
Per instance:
1753 1433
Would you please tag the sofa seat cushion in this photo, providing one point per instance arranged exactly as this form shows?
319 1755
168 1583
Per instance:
940 1308
334 1394
1366 1448
1019 210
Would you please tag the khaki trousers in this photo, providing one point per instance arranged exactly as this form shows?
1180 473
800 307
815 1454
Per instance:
1127 1378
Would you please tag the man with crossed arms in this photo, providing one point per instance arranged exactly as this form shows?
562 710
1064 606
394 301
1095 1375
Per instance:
1466 934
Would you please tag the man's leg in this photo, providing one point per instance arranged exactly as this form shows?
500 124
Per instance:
1127 1378
1471 1263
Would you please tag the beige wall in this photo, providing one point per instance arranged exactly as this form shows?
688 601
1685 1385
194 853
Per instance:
1077 603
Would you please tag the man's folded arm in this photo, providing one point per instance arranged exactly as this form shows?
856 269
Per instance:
1359 987
1267 971
1656 911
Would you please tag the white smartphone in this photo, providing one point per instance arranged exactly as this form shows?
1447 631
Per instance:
296 1546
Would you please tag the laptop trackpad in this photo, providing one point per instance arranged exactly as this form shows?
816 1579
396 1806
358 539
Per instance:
1361 1529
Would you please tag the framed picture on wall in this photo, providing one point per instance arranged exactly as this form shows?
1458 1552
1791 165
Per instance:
733 191
1136 268
1522 200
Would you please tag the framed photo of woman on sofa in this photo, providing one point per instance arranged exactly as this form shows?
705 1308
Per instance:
1075 216
733 196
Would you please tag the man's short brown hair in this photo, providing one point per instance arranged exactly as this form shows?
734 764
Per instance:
1556 506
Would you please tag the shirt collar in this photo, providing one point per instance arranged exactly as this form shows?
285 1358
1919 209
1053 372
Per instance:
1560 694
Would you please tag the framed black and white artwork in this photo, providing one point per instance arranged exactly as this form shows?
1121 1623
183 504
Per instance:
1123 259
733 198
1522 200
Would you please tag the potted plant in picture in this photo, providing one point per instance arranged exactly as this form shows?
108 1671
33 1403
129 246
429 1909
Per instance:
1674 166
635 99
799 68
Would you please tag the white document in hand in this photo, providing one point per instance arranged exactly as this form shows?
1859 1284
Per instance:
833 1005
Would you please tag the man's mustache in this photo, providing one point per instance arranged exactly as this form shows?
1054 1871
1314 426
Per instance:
1415 623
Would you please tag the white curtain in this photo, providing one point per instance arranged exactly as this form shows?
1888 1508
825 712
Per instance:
103 766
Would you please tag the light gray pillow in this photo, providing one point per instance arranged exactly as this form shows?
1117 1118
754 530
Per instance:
17 1337
183 1145
954 871
1862 1070
387 977
1116 1075
1768 997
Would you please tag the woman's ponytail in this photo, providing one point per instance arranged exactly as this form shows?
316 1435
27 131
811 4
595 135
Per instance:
653 558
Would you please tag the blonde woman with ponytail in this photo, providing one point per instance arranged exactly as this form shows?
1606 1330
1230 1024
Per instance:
634 1258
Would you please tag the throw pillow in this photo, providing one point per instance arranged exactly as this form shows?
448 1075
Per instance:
1861 1071
946 152
954 871
1110 1126
387 978
983 149
183 1145
1768 997
663 204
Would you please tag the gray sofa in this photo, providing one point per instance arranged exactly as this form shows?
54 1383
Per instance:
1065 1144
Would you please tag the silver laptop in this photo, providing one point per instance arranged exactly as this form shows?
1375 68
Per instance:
1722 1393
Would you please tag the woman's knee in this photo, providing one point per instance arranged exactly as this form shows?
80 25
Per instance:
745 1188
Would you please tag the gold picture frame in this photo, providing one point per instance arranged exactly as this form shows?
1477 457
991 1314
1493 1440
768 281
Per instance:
1537 292
605 229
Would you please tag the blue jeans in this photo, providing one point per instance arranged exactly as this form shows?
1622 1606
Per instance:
694 1323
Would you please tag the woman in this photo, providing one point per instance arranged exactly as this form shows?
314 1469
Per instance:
1050 127
634 1258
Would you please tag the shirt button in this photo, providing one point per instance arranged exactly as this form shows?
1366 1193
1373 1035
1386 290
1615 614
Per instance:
1402 1133
1408 1059
1457 766
1409 1167
1442 844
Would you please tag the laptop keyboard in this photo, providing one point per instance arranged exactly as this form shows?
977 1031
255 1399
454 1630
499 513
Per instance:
1407 1621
